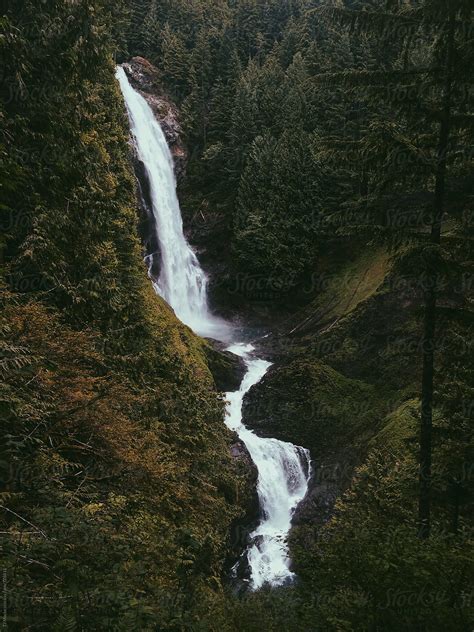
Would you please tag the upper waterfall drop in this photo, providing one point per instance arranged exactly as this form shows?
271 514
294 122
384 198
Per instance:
182 282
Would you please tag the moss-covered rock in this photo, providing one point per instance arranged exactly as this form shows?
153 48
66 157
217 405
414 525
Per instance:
312 405
227 369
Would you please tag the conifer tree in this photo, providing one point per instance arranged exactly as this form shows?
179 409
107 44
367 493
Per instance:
174 60
138 10
150 32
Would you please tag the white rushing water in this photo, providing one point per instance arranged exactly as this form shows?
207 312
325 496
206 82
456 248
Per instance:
283 474
283 469
182 282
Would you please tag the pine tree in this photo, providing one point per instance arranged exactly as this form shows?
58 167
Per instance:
277 208
174 62
150 32
138 10
245 120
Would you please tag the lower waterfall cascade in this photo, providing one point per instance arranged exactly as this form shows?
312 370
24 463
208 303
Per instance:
283 469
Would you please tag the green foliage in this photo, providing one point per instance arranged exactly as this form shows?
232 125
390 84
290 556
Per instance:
369 571
229 78
365 85
277 208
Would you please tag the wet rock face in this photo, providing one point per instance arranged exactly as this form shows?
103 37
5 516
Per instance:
227 369
147 222
242 527
145 78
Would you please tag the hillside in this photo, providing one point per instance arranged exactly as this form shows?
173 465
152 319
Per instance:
119 485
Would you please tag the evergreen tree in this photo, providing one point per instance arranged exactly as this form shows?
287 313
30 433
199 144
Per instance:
138 10
174 61
277 209
150 32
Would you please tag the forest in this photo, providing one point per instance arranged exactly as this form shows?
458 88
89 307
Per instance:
324 159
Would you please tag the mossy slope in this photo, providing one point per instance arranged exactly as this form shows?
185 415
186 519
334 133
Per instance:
119 485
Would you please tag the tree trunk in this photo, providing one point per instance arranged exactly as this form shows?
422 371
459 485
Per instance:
424 503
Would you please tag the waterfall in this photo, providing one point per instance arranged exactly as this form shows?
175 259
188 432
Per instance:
283 469
182 282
